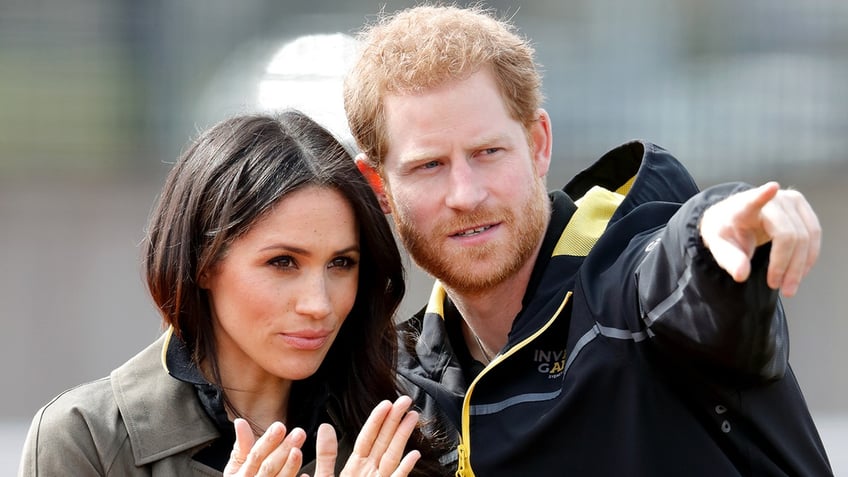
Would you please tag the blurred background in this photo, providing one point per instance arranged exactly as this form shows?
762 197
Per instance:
98 98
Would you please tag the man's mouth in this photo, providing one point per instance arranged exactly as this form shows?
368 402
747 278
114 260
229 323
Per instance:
473 232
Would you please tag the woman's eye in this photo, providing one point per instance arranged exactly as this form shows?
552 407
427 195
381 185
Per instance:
282 262
342 262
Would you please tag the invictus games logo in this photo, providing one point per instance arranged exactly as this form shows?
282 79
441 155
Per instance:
550 362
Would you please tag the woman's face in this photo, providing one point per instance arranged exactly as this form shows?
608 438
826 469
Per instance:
282 290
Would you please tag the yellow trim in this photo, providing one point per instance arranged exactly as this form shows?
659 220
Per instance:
589 221
437 300
625 188
168 335
464 448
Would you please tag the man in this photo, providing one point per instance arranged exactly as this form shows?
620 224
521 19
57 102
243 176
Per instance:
625 325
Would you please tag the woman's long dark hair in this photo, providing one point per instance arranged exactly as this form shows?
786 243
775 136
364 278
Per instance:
223 183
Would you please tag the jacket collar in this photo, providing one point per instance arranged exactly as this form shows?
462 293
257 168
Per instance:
641 171
162 415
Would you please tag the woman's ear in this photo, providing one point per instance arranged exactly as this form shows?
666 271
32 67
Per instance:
203 280
374 179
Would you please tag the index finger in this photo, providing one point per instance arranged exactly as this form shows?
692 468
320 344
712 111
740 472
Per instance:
758 197
371 429
392 456
746 206
274 455
389 428
259 450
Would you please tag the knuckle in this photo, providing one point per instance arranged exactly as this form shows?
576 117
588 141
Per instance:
795 194
254 455
266 468
789 194
235 456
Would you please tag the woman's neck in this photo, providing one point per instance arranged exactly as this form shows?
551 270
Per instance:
259 398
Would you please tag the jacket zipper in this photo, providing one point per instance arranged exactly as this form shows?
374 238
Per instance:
463 449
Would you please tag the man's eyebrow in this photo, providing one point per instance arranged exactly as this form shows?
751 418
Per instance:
428 154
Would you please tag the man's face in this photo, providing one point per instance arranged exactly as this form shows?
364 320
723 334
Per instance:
465 182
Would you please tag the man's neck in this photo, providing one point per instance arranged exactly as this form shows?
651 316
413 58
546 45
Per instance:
488 314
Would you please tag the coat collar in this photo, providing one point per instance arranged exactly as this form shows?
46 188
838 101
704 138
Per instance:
162 414
641 171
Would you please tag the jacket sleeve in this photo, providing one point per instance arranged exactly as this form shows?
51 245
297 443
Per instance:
697 311
61 440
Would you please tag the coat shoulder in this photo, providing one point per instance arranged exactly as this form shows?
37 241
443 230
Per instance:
81 428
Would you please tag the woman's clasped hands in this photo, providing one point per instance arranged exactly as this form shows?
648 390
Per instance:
377 452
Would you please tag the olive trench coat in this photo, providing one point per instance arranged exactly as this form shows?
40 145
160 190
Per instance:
138 421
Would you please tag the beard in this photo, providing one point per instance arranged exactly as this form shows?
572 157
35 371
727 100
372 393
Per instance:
478 268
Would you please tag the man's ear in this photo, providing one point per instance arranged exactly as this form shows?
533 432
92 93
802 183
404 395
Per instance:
542 141
374 179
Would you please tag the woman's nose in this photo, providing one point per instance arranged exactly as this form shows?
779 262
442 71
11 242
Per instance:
313 299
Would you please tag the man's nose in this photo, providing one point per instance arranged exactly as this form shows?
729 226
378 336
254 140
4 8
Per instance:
465 186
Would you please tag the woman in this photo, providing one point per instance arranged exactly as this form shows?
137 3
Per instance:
274 268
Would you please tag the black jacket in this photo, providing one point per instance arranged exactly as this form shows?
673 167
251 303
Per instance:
634 354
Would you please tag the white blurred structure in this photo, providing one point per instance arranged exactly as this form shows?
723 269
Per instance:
307 74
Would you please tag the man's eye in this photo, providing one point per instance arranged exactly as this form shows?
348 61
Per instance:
430 165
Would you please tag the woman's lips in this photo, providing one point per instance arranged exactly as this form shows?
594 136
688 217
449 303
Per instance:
308 341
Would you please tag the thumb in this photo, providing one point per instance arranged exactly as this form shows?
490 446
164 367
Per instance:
733 259
326 451
244 441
